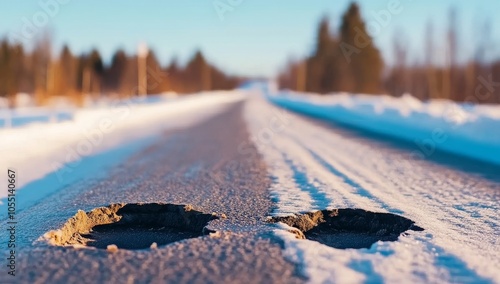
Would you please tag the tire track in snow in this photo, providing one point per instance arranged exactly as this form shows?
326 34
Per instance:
288 198
402 190
406 192
319 197
362 183
452 249
343 194
449 221
317 183
455 268
356 186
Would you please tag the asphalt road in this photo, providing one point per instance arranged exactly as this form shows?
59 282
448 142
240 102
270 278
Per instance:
215 166
212 166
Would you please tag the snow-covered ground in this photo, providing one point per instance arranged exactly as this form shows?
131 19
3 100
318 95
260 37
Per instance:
48 156
469 130
62 109
315 167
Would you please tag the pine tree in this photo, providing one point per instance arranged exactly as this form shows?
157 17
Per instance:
4 67
198 73
156 76
115 73
324 67
318 77
95 62
11 69
66 75
324 39
95 68
365 61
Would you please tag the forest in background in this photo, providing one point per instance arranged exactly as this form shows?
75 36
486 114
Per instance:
343 60
74 77
349 61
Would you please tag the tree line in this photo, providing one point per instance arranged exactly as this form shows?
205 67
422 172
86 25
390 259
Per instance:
75 76
349 61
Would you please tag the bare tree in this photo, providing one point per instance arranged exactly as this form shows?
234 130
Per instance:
432 91
450 83
41 67
400 69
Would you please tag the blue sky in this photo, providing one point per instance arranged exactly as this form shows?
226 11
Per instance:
256 37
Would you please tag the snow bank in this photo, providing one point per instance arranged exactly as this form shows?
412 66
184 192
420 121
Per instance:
468 130
39 149
62 109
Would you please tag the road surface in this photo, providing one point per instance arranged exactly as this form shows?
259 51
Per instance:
254 160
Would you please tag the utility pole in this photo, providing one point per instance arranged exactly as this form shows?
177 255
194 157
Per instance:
142 69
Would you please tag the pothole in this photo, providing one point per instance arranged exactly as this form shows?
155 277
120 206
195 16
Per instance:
131 226
348 228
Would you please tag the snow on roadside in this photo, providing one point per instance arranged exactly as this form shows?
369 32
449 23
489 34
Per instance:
61 108
469 130
38 149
